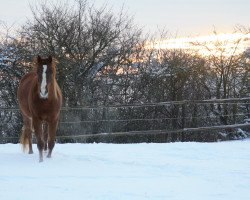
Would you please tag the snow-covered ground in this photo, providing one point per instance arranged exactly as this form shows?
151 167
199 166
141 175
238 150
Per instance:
183 171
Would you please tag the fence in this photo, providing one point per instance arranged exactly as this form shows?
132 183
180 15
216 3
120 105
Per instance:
158 122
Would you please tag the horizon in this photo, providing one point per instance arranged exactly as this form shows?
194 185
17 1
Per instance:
228 43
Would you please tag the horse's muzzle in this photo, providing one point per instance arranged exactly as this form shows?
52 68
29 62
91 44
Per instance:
44 95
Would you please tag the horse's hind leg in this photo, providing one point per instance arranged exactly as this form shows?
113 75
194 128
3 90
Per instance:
26 137
52 137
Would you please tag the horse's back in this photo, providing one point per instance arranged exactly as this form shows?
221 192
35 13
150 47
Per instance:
23 92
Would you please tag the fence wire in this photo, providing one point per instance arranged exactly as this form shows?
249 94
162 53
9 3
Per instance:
170 116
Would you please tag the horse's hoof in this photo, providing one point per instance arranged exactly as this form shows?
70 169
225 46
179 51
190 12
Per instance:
30 152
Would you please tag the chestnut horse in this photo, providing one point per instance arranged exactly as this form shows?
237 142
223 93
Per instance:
40 101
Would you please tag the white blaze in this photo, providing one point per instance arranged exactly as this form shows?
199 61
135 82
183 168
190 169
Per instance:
43 92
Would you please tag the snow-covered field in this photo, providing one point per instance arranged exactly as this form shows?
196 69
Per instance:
183 171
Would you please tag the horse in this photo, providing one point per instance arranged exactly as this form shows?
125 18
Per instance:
40 100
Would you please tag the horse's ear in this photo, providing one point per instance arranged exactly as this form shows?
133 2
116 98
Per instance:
55 61
50 59
39 59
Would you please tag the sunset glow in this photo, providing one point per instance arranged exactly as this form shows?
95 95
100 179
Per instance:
207 45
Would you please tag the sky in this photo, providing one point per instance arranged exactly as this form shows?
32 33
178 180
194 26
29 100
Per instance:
180 17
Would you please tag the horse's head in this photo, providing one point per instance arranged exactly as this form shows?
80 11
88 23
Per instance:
45 74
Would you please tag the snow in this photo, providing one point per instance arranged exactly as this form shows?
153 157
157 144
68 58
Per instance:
176 171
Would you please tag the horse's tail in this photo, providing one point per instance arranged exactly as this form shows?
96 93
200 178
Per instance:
24 139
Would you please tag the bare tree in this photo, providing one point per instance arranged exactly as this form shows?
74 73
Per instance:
228 70
85 40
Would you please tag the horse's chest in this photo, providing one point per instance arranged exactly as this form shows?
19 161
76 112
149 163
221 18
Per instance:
45 110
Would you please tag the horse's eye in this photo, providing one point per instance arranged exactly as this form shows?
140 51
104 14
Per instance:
39 77
39 70
48 76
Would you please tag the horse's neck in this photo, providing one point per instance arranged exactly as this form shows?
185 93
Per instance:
53 90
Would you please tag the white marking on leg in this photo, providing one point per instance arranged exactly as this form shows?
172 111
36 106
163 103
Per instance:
43 92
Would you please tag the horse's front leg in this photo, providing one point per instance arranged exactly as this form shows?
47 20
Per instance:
39 137
52 136
45 135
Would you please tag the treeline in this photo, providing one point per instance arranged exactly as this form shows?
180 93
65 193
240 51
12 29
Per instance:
104 58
